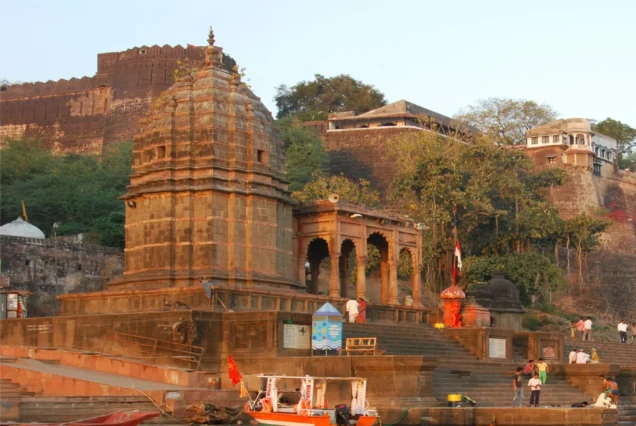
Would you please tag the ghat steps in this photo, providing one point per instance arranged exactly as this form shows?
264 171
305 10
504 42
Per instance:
608 352
459 371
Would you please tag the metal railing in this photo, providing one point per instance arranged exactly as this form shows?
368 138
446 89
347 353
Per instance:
152 350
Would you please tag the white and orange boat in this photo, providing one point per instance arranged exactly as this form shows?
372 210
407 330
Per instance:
306 402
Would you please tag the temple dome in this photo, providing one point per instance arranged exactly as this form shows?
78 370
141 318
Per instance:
208 197
21 228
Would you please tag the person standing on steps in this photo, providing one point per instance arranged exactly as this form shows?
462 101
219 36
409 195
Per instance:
594 359
622 331
352 309
362 311
518 387
543 369
535 390
587 329
580 326
633 332
573 330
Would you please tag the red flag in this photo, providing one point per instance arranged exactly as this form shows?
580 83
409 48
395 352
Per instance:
233 371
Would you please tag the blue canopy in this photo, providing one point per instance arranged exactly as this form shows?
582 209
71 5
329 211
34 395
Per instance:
327 310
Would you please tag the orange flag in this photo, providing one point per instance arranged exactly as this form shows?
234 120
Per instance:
233 371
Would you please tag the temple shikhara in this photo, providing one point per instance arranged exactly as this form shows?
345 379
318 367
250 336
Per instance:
221 267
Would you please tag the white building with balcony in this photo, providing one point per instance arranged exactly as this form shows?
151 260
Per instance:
581 146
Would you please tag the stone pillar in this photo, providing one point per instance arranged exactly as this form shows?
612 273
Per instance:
361 282
393 282
301 257
384 276
416 285
334 277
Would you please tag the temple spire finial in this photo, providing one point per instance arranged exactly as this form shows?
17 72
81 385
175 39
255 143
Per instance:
209 52
211 37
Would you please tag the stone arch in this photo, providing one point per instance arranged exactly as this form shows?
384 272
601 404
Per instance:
347 248
380 241
580 139
406 263
317 251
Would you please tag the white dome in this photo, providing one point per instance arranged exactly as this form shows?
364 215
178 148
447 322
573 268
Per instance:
21 228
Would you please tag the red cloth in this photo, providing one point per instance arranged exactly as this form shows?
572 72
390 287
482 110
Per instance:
233 371
362 314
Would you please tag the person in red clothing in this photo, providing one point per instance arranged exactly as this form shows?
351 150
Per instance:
580 328
362 311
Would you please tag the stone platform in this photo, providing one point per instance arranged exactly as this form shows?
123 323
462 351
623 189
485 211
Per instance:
225 299
518 416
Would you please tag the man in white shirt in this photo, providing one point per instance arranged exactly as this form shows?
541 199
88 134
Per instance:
587 329
352 309
572 356
622 331
535 390
582 357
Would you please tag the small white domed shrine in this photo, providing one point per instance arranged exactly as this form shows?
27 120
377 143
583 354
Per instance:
21 228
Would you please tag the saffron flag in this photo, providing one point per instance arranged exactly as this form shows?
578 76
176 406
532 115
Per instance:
233 371
458 255
458 262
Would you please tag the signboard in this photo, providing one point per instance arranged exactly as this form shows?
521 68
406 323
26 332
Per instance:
549 351
496 348
326 328
296 336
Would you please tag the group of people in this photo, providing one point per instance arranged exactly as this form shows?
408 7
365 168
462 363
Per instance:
356 310
578 356
538 373
582 330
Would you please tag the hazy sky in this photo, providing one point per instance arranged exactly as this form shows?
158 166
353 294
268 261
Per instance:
577 56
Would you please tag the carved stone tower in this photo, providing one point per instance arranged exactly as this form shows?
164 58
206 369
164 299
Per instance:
208 197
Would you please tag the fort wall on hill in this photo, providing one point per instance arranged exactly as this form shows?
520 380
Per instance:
86 115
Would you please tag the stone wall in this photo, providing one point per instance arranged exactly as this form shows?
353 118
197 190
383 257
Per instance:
363 153
56 266
86 115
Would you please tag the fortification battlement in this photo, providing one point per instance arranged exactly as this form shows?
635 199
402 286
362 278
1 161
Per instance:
112 64
62 86
106 62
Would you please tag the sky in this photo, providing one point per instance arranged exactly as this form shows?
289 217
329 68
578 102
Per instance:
577 56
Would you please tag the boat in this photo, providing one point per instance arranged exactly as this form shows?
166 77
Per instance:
307 403
121 418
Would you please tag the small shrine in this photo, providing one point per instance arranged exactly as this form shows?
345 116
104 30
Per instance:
453 297
494 304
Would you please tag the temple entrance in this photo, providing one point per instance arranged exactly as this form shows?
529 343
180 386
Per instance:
318 250
380 242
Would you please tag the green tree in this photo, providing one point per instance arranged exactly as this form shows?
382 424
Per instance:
315 99
78 191
306 156
486 196
583 231
348 190
624 134
506 121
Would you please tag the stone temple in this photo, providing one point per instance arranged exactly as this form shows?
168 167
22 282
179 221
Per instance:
208 197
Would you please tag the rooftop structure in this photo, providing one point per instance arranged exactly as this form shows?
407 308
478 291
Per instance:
581 145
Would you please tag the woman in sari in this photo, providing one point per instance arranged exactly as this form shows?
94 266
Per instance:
362 312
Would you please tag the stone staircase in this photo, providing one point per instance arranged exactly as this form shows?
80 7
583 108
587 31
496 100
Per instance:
627 415
409 339
490 384
64 409
459 371
608 352
10 389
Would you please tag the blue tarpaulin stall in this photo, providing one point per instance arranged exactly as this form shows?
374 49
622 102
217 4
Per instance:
326 329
